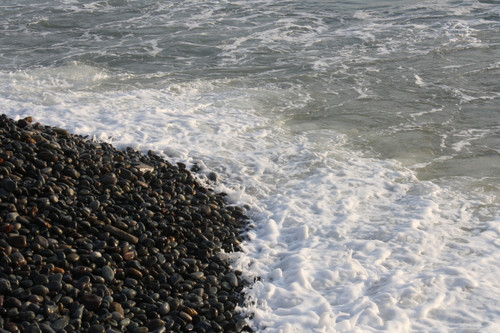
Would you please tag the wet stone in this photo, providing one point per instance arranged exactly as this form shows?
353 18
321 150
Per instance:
9 185
18 241
50 309
5 286
59 324
18 259
91 301
40 290
110 179
107 273
116 307
12 302
33 329
45 327
78 312
96 328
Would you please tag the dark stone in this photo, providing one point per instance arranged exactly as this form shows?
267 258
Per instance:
96 328
40 290
33 329
12 302
45 327
107 273
18 259
59 324
109 179
9 185
91 301
5 286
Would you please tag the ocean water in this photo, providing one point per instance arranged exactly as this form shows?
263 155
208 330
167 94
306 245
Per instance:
364 138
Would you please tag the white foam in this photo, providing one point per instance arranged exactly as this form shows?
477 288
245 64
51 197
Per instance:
419 81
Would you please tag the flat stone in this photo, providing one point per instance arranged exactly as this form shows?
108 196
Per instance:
59 324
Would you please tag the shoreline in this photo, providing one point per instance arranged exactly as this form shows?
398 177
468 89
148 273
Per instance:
96 239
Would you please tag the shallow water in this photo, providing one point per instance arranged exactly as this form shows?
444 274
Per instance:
363 137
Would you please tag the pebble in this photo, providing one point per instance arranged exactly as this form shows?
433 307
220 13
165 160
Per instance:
18 241
94 239
59 324
5 286
96 328
17 259
40 290
91 301
107 273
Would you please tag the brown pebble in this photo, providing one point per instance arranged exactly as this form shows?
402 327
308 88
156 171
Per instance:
116 307
60 131
130 255
59 270
18 241
190 311
6 228
184 316
135 273
91 301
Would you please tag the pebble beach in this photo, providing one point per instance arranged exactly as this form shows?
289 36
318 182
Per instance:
95 239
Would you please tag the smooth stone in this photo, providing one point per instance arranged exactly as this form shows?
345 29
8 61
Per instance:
13 312
73 257
55 286
164 309
40 290
107 273
12 302
5 286
116 307
50 309
129 293
135 273
40 279
124 322
96 328
160 330
197 275
18 259
232 279
78 312
45 327
27 315
18 241
59 324
33 329
156 323
91 301
184 316
42 241
9 185
109 179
